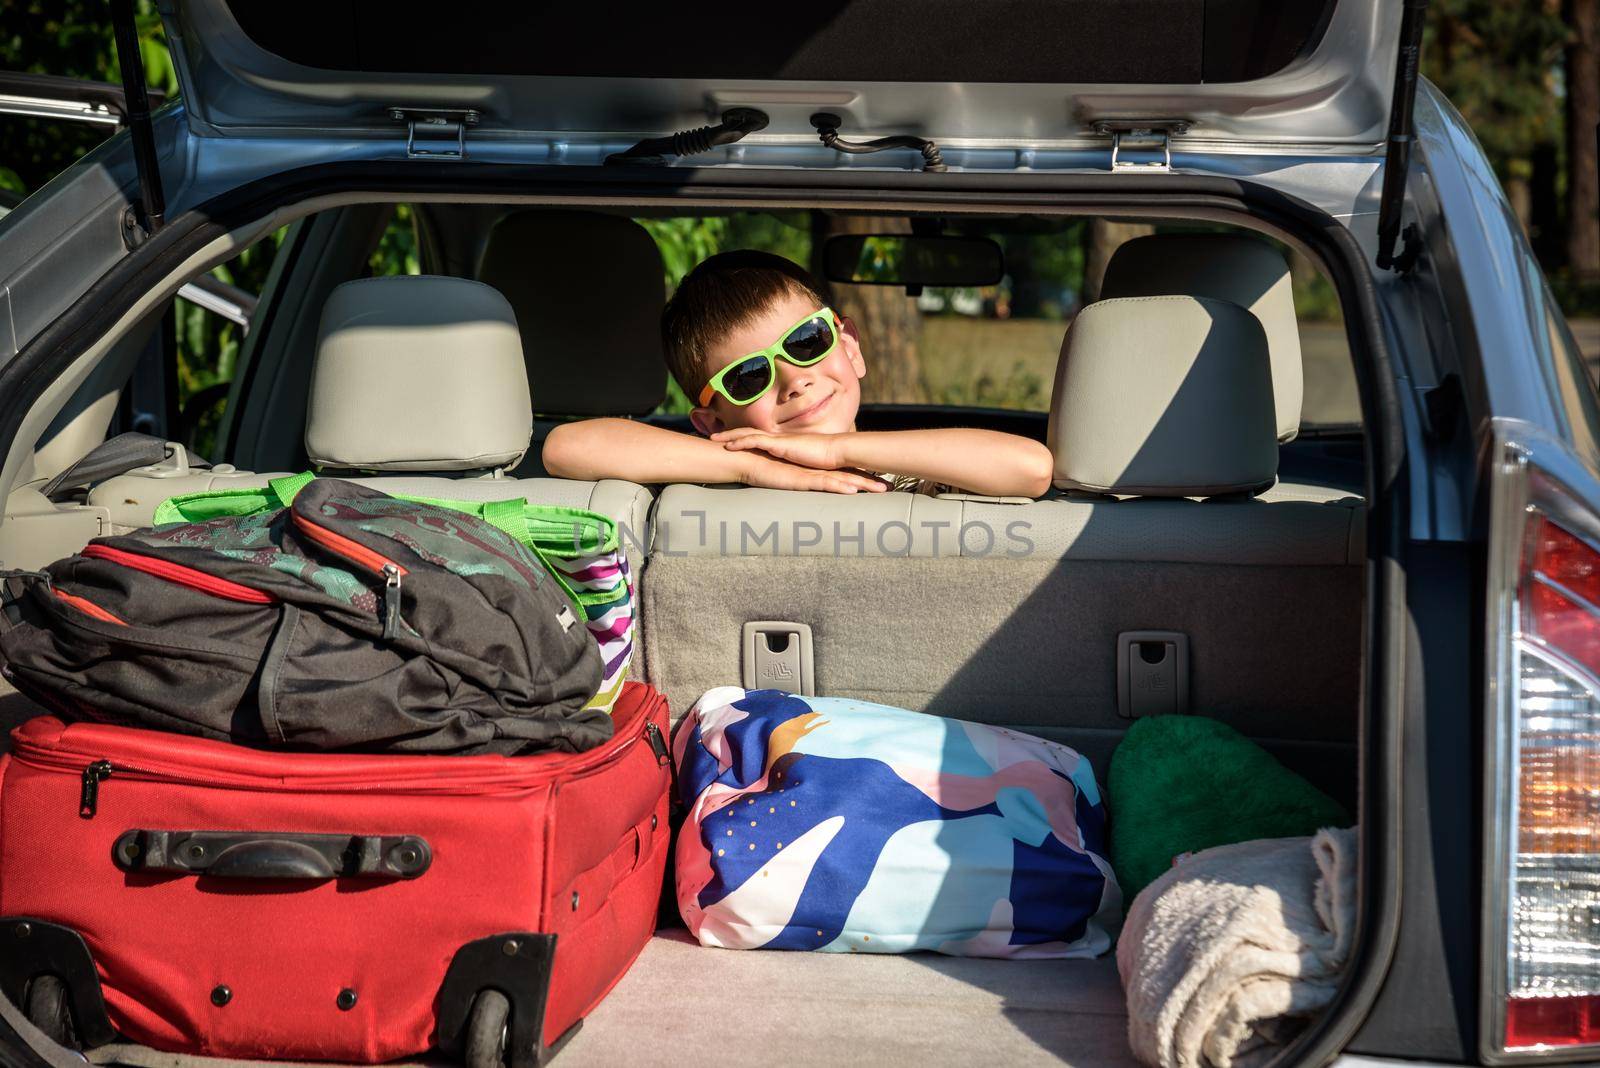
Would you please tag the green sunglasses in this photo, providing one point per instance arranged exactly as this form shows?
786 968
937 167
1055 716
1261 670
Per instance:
747 379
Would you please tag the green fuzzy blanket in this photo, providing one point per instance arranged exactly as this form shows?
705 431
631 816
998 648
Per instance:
1183 783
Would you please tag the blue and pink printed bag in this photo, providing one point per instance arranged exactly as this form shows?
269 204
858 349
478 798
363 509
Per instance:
833 824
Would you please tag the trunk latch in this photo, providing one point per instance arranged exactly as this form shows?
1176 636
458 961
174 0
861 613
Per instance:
436 133
1153 130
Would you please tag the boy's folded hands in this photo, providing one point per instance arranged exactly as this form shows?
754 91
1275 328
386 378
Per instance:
799 461
823 451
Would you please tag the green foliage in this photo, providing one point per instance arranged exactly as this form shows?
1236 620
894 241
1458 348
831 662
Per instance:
1496 61
1316 299
1044 271
71 38
208 344
397 251
684 243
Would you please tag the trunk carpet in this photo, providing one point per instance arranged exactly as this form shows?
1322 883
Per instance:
683 1004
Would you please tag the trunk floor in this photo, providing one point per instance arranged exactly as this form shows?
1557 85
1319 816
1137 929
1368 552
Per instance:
684 1004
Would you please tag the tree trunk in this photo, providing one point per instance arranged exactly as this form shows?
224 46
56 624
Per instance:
1518 193
890 324
1105 236
1549 236
1583 115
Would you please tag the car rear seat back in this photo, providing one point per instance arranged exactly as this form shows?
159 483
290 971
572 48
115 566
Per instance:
587 289
419 387
1007 611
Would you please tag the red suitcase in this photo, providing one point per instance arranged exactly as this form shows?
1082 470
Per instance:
216 921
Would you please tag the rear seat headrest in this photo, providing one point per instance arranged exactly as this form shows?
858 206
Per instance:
1164 397
1233 267
588 290
418 373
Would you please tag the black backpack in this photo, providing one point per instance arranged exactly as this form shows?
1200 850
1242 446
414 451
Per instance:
350 620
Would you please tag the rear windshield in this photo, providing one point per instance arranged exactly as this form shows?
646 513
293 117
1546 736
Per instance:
997 346
1041 41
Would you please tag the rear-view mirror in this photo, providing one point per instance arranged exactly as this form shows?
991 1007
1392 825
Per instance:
907 260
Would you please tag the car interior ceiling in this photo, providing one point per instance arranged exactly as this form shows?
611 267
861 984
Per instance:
1267 587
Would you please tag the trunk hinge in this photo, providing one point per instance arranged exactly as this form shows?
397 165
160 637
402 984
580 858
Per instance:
1397 160
1158 130
142 220
436 133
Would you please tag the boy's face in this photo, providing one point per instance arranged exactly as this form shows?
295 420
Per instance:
820 399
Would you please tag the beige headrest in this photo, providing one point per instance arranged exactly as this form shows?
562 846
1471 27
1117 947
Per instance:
588 290
1164 397
418 373
1233 267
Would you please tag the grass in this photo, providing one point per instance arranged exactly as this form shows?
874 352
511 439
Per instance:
990 363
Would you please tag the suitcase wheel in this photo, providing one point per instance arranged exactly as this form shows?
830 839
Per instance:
46 1005
487 1028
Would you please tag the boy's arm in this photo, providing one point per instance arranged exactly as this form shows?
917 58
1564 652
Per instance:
638 452
978 461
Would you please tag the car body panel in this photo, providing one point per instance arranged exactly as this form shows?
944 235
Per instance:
1337 96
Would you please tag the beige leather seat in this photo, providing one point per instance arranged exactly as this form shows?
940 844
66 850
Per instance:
1237 268
1008 611
587 289
419 386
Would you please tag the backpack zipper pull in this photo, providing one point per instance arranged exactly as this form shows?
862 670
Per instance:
391 602
93 776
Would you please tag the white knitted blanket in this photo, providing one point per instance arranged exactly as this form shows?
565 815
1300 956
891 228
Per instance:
1229 954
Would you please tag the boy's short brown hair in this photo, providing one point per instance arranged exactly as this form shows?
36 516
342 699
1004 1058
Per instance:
724 292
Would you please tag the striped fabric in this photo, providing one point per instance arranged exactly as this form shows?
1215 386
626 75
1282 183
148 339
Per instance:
600 584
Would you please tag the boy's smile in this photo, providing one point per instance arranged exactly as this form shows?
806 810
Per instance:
820 399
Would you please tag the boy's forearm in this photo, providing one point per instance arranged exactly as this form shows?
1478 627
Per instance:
638 452
979 461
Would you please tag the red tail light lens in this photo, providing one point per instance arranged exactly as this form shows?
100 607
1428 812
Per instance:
1553 941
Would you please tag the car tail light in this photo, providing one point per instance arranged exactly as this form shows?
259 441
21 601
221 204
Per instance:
1544 816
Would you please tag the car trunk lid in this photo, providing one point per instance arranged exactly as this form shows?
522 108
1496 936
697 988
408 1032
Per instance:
1211 75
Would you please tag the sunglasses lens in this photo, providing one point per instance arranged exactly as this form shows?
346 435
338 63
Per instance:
748 380
810 341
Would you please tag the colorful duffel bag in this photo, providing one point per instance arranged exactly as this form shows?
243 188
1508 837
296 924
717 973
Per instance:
579 548
831 824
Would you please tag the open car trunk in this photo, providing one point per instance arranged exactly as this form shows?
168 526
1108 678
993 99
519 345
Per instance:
1277 595
1247 589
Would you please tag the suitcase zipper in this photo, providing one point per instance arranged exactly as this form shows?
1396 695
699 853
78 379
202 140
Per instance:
179 574
370 559
658 745
98 769
93 776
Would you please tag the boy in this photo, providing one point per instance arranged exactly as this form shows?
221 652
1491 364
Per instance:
776 378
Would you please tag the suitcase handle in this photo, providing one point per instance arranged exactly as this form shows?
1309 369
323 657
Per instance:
272 854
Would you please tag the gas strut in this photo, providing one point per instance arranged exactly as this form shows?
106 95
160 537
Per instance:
736 122
152 202
827 125
1397 161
